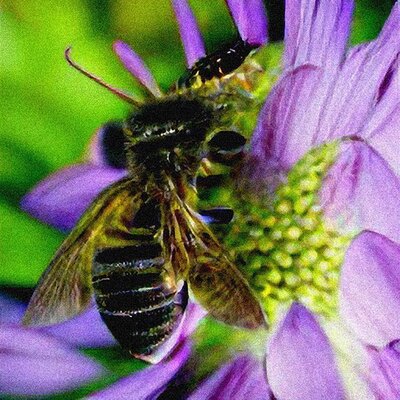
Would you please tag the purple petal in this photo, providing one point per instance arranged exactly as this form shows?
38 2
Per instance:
250 19
85 330
300 361
60 199
384 371
370 288
135 65
193 315
148 383
11 310
35 364
190 33
361 192
316 32
283 133
96 153
360 85
310 105
381 130
241 378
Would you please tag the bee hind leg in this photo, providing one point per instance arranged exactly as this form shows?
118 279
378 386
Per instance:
218 215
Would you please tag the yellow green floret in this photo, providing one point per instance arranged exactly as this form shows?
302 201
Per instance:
286 249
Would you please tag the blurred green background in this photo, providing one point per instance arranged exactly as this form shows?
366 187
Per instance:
49 111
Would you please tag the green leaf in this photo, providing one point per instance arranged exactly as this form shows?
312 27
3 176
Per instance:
369 17
26 247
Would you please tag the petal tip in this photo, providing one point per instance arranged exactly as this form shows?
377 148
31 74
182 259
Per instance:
250 19
136 66
190 34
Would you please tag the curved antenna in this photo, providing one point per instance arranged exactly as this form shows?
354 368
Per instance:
112 89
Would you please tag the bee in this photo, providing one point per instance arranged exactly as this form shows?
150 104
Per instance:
218 64
142 248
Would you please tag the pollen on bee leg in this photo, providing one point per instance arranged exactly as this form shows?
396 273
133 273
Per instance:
205 168
242 80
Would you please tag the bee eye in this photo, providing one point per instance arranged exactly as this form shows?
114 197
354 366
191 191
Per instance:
113 145
227 140
226 147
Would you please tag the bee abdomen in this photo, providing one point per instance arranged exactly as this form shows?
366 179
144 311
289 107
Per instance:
141 320
138 341
215 65
134 301
136 304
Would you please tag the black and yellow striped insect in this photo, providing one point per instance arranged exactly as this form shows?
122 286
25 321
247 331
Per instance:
142 248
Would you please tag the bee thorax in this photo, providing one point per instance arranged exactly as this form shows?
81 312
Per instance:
165 137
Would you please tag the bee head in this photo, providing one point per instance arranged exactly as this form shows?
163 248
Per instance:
168 123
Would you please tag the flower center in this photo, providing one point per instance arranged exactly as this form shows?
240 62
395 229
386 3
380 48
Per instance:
287 251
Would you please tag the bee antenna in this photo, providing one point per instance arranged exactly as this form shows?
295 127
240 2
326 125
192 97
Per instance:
122 95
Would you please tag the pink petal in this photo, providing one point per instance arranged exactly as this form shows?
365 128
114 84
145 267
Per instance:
250 19
193 315
60 199
361 192
316 32
191 318
241 378
381 130
135 65
359 85
283 133
35 364
384 371
148 383
300 361
311 105
190 33
370 288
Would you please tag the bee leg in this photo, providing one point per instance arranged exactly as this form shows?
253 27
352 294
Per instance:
210 181
218 215
226 147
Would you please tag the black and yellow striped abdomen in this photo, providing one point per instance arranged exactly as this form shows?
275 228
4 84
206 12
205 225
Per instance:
133 296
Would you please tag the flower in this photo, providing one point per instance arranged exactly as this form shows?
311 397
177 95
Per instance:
384 371
336 112
148 383
33 362
241 378
327 131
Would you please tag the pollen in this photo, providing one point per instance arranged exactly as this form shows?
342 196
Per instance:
286 249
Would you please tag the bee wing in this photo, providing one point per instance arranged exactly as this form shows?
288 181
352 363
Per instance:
65 288
215 281
221 289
